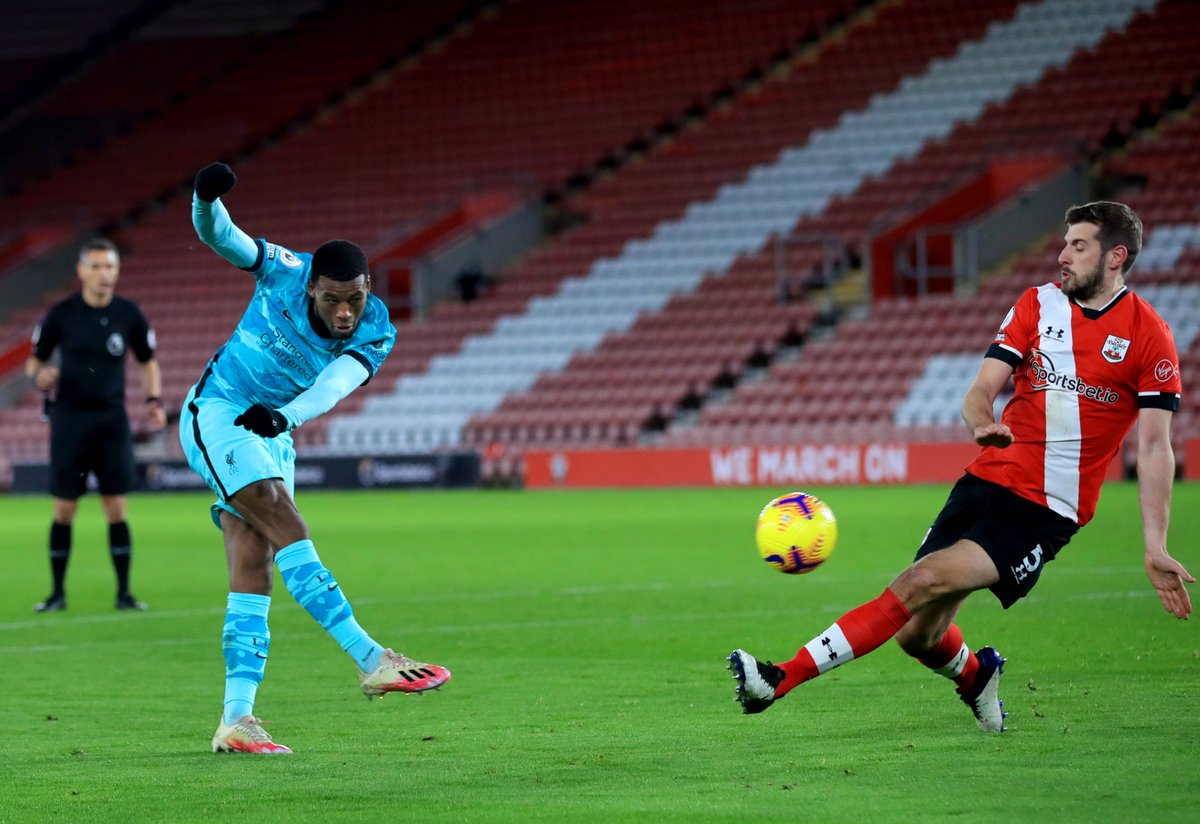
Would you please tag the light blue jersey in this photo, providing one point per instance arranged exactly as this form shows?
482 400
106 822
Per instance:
274 357
275 353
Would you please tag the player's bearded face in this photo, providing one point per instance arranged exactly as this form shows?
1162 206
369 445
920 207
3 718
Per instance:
1082 262
1085 285
340 303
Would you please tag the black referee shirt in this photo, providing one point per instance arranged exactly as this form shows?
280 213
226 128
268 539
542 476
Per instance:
93 342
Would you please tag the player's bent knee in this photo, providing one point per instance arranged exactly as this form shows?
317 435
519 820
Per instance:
263 498
270 509
923 584
916 587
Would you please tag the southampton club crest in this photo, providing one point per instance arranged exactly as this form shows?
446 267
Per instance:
1115 349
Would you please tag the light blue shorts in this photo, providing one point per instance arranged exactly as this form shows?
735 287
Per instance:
229 457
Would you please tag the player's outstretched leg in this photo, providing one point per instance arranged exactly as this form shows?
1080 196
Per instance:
858 632
982 696
756 681
379 670
246 735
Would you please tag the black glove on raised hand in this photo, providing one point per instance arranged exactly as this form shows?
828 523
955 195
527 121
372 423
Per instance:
214 180
262 421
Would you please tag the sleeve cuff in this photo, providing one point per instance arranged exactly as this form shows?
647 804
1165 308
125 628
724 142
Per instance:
261 245
1003 353
1158 400
361 358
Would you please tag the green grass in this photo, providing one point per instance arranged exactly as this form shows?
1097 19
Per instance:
587 632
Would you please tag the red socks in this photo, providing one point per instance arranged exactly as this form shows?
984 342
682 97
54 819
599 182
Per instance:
865 628
856 633
951 657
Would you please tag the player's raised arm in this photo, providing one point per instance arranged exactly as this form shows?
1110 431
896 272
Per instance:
212 221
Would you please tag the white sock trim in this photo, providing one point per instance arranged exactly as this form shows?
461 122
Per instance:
954 667
830 649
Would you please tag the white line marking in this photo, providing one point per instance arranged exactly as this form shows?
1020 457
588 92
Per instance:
474 630
285 602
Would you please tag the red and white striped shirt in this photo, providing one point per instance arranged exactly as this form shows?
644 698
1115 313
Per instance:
1080 377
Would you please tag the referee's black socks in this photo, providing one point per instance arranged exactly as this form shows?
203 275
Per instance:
60 554
120 547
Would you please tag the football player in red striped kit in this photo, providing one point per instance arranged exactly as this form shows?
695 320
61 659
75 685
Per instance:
1088 358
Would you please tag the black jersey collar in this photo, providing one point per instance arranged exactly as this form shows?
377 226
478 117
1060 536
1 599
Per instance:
1093 314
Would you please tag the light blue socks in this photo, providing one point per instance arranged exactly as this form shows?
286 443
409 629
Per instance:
314 588
245 642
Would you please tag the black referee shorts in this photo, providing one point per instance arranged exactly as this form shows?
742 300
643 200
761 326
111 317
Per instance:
90 441
1020 537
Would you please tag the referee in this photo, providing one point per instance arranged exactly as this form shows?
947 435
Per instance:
89 428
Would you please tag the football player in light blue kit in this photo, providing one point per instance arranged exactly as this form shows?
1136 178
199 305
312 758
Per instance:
312 334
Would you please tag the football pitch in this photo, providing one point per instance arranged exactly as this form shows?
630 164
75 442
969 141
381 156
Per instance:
587 633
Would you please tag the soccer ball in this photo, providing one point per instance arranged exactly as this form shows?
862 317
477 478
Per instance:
796 533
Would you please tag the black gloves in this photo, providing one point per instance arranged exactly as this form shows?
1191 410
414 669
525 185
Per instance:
214 180
262 420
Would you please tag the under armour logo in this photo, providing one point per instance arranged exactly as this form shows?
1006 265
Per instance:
1051 332
1029 564
828 643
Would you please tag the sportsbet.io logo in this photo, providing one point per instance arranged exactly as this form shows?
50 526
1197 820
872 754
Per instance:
1043 376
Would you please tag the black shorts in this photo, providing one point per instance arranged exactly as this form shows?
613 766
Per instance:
86 441
1018 535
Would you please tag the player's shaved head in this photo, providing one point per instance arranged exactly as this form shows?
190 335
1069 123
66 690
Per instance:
339 260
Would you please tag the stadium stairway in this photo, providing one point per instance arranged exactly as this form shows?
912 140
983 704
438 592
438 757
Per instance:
1128 74
430 410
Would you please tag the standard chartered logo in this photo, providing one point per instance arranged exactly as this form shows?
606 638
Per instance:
286 352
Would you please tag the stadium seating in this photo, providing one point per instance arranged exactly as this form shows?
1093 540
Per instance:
252 99
803 180
958 328
673 257
923 399
667 292
427 149
153 58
